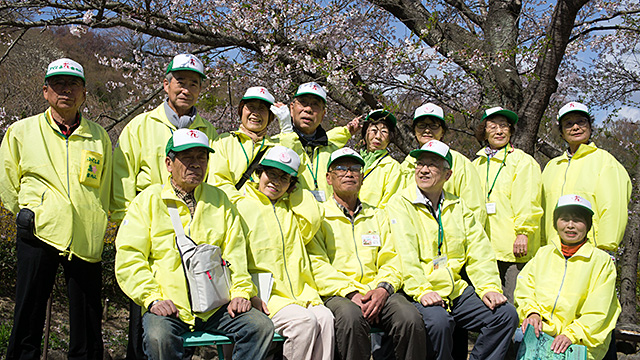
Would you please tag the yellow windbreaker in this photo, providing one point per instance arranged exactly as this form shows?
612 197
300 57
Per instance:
575 297
138 158
356 256
464 182
148 265
276 238
597 176
313 169
234 152
66 182
514 179
465 244
381 180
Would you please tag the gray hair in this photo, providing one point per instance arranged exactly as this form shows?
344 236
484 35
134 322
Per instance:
172 155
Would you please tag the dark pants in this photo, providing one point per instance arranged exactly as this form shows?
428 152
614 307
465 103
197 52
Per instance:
508 276
496 327
398 319
134 344
37 265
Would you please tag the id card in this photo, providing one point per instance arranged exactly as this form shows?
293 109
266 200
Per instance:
440 262
319 195
371 240
491 208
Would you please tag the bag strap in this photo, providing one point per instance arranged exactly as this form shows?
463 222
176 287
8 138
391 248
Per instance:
250 169
184 243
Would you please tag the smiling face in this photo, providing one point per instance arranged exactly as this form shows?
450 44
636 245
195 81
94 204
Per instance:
188 168
255 115
274 183
307 112
576 129
377 136
64 93
428 128
431 172
572 228
497 131
345 176
183 90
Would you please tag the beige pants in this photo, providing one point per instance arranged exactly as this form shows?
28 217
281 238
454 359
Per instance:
309 332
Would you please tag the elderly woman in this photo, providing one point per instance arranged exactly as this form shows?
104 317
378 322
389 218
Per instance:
590 172
512 188
382 175
237 150
279 221
429 124
568 290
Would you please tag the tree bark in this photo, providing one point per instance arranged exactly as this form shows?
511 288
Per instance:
629 258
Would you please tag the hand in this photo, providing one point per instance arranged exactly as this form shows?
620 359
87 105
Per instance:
560 344
164 308
373 302
354 125
238 306
356 297
431 299
535 321
520 245
260 305
493 299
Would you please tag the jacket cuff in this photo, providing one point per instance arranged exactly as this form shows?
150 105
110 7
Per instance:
151 298
240 294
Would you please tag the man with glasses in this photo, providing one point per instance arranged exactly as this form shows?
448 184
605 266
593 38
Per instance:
357 270
436 235
56 177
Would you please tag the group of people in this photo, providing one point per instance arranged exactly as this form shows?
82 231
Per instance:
350 240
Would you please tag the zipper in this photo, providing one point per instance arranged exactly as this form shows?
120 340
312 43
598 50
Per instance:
355 245
284 257
555 303
565 177
68 250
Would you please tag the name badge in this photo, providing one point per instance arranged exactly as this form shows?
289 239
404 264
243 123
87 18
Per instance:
319 195
440 262
371 240
491 208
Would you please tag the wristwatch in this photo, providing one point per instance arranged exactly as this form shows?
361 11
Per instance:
152 303
385 285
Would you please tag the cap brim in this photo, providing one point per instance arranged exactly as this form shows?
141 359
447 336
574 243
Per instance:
510 115
356 158
279 165
188 69
190 146
573 111
417 152
426 116
257 98
569 206
382 115
65 73
310 93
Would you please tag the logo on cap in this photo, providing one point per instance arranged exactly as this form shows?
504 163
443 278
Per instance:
193 134
285 158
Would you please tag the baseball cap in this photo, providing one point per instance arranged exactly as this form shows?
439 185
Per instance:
65 66
381 114
260 93
428 109
183 139
187 62
312 88
282 158
345 152
510 115
573 106
434 146
574 200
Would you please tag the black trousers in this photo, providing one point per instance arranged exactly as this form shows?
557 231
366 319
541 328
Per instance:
36 271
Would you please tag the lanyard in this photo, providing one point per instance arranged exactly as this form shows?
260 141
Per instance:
375 166
315 176
498 173
245 152
440 229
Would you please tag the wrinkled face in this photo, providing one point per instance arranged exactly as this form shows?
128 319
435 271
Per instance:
345 176
431 172
65 93
255 115
183 90
572 229
274 183
377 137
428 128
188 168
497 131
576 128
307 112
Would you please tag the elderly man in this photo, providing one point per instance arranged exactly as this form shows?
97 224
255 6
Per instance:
149 267
357 270
55 174
437 235
138 160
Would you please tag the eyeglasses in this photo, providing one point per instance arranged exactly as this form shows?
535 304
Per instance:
341 170
494 127
307 102
61 84
274 175
431 165
422 125
568 124
383 132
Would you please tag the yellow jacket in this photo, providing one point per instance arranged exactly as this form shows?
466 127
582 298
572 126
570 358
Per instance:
276 238
342 263
415 232
381 180
597 176
148 265
234 152
575 297
516 193
464 182
138 158
65 182
312 174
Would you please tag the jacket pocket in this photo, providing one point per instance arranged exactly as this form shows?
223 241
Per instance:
91 164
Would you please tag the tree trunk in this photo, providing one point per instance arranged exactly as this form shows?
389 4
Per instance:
629 258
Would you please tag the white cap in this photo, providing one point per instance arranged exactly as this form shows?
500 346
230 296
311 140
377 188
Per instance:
510 115
184 139
428 109
282 158
313 89
571 107
65 66
345 152
260 93
187 62
434 146
574 200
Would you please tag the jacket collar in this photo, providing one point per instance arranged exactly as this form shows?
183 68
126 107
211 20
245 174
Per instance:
82 130
167 192
160 115
251 191
500 155
585 251
410 194
583 150
332 210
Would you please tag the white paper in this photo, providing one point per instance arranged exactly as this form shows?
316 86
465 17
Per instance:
264 283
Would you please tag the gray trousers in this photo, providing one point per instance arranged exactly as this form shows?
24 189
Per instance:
495 327
398 318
